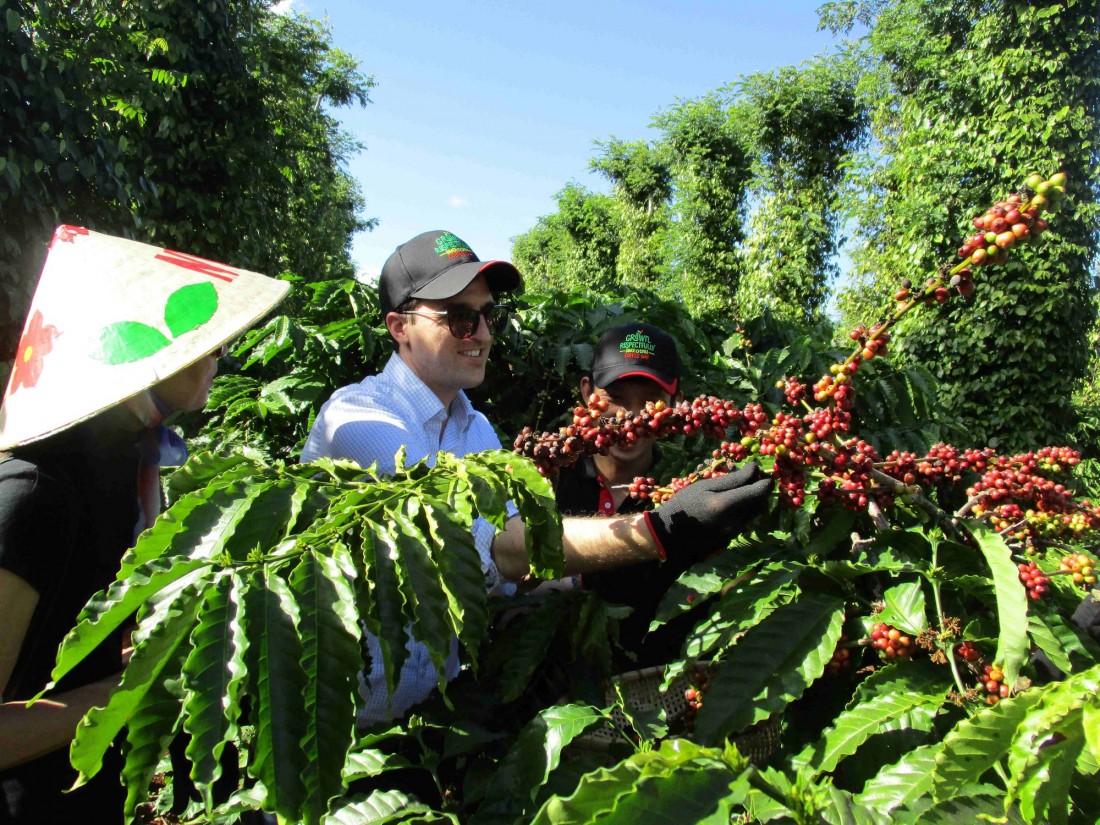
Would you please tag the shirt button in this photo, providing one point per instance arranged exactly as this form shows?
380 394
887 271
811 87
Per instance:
607 505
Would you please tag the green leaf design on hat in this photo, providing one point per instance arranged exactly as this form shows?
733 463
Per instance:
124 342
189 307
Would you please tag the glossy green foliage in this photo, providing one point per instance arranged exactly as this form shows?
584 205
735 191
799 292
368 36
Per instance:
252 593
966 99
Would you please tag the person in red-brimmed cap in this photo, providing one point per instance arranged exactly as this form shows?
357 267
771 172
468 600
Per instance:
440 305
633 364
119 336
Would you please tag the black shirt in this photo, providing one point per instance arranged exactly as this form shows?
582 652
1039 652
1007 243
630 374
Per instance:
68 508
581 492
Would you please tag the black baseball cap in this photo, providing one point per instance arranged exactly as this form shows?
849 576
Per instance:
637 350
437 265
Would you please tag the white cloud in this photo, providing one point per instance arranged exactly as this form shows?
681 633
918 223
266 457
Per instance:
457 202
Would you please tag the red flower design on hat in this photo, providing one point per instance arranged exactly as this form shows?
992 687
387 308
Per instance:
35 344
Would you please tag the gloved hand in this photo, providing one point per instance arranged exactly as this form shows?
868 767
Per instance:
704 516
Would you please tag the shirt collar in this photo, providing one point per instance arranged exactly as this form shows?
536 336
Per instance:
421 403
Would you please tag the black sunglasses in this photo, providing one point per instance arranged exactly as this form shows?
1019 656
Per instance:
463 321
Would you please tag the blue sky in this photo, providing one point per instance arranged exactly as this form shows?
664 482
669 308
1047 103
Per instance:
484 110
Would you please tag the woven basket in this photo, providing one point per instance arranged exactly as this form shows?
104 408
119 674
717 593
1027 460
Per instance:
641 691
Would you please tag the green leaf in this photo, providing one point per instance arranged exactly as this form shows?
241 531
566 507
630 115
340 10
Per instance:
381 807
844 810
1046 641
524 645
854 727
674 793
1012 642
164 630
277 685
189 307
531 760
744 605
1063 641
105 612
213 677
385 613
905 608
329 631
771 666
430 608
975 744
371 762
124 342
459 565
903 783
1046 745
1090 719
149 730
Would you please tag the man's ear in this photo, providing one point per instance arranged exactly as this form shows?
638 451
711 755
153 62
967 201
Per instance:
397 323
587 388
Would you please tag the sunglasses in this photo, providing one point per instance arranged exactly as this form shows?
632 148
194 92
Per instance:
463 321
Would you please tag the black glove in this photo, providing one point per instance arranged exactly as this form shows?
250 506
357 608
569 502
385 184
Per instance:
704 516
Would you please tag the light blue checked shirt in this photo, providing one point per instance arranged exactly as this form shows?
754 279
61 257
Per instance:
369 422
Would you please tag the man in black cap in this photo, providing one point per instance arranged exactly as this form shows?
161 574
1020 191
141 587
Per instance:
633 364
439 303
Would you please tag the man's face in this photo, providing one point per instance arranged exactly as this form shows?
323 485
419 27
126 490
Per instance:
630 394
445 363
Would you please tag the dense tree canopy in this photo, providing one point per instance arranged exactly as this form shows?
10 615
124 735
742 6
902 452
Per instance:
198 126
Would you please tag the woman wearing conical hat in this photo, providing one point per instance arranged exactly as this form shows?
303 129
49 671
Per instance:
119 336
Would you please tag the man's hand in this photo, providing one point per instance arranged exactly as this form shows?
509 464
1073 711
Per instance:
704 516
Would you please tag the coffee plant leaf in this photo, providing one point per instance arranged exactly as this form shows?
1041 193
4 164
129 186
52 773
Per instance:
205 467
534 496
1046 745
385 616
1044 788
984 804
453 550
744 606
166 630
905 608
524 642
902 783
844 809
530 761
108 610
714 574
974 745
1043 637
854 727
1012 641
149 731
600 793
426 604
920 676
1091 722
213 677
771 665
380 808
367 762
277 682
329 629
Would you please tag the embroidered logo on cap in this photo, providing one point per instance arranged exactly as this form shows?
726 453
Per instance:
637 345
451 246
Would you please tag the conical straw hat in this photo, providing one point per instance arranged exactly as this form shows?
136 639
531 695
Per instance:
112 317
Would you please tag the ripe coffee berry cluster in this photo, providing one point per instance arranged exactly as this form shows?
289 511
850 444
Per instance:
968 652
693 694
1013 220
1033 579
892 642
993 680
1081 567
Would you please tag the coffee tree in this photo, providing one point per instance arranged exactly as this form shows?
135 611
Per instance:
902 630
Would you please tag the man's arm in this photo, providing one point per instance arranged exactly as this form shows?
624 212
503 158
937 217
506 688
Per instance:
700 518
590 544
